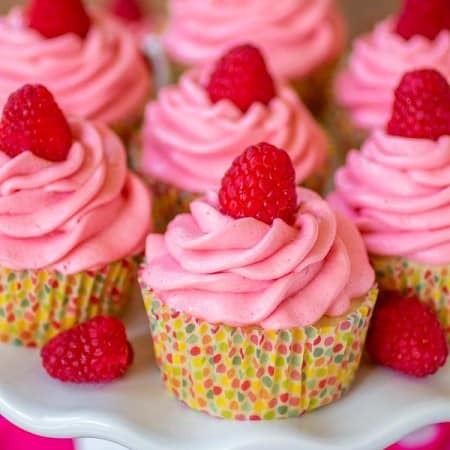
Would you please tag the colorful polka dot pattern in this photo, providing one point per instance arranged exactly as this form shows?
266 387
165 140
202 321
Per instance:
37 305
255 374
431 284
345 134
168 201
316 89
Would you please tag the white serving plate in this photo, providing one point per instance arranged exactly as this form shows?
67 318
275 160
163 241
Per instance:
138 413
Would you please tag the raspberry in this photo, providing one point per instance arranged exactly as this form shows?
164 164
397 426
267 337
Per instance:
261 184
242 77
53 18
97 351
421 106
128 10
33 121
423 17
406 335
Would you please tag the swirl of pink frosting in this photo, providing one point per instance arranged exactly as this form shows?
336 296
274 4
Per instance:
376 65
297 36
74 215
245 272
190 142
397 191
103 77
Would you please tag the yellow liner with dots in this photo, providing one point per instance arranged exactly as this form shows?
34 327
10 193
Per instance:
37 305
430 284
256 374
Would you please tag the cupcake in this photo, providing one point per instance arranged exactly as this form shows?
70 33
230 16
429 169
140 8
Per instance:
195 129
259 299
86 58
396 190
417 37
73 220
302 39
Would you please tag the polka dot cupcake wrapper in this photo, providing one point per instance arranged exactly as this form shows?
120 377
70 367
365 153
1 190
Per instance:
431 284
37 305
256 374
315 90
168 201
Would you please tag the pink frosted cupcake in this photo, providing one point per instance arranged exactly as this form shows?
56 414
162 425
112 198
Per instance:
87 59
73 219
396 190
196 128
302 39
259 299
418 37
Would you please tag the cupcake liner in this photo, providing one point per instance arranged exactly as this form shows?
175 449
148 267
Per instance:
316 89
430 284
36 305
344 133
168 201
248 373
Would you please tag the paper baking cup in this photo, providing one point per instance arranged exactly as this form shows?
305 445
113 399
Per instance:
316 89
37 305
430 284
345 134
168 201
254 374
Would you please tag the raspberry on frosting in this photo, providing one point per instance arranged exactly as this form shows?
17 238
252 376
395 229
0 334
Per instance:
32 121
97 351
53 18
406 335
241 76
261 184
421 106
128 10
423 18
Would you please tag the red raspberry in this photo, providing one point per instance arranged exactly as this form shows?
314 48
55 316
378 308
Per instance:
261 184
97 351
421 106
406 335
53 18
128 10
33 121
423 17
242 77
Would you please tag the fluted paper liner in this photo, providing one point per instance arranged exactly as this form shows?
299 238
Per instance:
35 305
251 373
430 284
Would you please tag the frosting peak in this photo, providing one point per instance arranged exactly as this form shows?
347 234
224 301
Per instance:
73 215
194 154
297 36
410 215
88 77
245 272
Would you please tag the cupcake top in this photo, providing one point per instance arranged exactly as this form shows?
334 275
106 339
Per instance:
67 200
298 36
88 71
410 40
195 129
260 253
396 189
